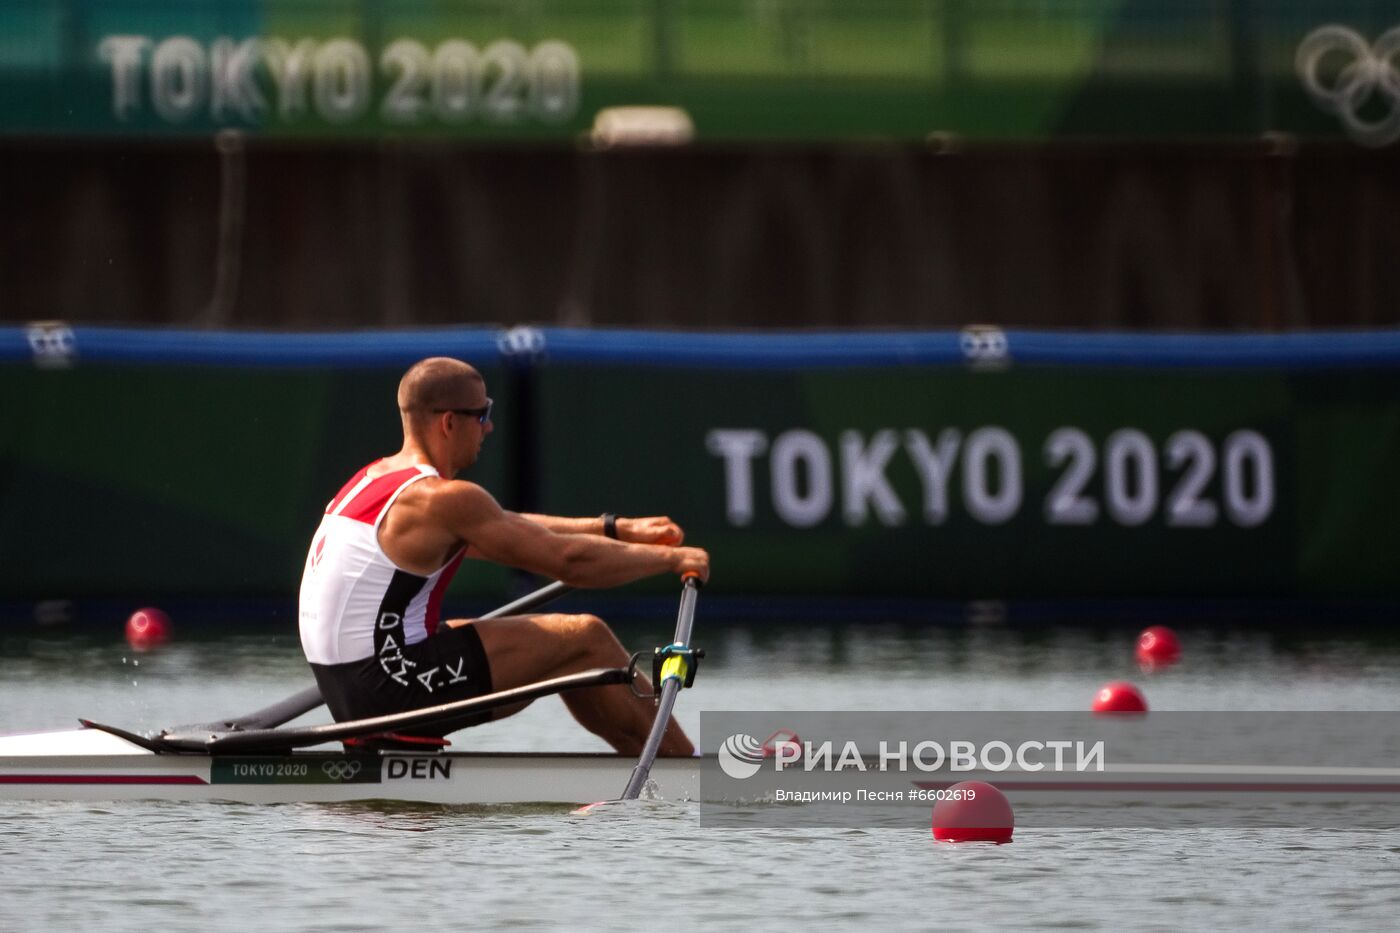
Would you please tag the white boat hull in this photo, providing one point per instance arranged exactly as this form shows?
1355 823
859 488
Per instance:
87 764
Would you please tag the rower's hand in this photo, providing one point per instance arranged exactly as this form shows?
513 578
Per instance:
692 560
658 529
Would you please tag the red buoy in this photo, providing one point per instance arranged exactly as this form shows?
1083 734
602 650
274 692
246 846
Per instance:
1157 647
1119 697
973 811
147 628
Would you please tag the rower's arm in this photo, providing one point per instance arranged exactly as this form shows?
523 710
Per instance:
582 560
567 526
654 529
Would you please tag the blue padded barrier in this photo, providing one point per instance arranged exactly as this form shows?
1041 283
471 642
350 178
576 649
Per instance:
785 351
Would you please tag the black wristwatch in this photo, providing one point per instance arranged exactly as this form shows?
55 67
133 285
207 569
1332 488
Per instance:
610 525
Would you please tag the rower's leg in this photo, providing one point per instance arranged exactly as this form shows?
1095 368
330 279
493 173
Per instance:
526 649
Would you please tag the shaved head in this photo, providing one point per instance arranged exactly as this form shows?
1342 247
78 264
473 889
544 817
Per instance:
437 383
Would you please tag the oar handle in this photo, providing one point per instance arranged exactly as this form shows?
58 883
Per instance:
685 616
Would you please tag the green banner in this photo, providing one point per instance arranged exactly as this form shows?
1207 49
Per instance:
1024 483
160 481
729 69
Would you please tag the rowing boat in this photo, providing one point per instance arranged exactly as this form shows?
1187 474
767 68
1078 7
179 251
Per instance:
256 758
253 759
90 764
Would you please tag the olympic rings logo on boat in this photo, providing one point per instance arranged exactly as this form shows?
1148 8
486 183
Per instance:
341 770
1370 72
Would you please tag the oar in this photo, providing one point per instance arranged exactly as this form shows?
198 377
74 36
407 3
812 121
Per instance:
676 670
304 701
545 594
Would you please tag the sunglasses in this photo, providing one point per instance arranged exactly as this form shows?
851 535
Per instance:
482 414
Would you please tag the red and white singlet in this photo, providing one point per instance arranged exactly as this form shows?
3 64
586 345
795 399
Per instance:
355 603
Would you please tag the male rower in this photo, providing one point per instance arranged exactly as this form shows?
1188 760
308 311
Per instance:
395 533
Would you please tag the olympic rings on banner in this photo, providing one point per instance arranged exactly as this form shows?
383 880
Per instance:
1370 72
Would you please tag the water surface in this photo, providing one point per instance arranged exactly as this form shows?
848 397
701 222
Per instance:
135 866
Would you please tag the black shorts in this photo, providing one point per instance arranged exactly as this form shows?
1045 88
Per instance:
448 666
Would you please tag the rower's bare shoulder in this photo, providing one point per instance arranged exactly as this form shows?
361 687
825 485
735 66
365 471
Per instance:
457 496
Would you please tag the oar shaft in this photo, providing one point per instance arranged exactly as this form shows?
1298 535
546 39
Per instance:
685 620
642 770
298 704
530 601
